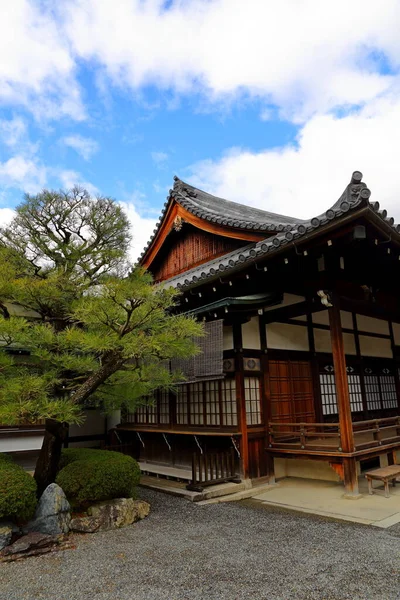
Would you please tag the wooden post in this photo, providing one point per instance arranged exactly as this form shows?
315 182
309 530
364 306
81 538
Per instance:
343 399
266 396
240 398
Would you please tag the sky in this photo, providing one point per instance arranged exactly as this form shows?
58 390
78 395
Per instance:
272 103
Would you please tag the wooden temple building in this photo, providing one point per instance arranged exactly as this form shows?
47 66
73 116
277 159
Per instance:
299 371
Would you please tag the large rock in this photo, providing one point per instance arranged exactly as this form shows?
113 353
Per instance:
32 544
112 514
52 514
85 524
6 531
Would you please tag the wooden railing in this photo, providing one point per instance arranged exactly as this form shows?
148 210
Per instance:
304 436
211 468
383 431
325 437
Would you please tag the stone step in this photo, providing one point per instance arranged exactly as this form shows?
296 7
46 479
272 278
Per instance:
239 494
153 469
176 488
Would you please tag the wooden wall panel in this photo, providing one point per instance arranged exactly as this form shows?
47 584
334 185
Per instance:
291 391
190 247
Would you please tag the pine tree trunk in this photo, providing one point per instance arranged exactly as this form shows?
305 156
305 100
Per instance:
56 432
50 453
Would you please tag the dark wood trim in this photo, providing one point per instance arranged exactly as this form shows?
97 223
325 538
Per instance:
361 366
182 430
344 329
343 397
240 398
396 366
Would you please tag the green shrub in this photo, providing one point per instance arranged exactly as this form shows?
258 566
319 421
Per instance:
70 455
17 491
88 476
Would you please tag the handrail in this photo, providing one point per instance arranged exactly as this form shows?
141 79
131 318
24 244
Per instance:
305 436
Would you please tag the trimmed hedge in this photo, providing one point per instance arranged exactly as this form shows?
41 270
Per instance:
17 491
88 476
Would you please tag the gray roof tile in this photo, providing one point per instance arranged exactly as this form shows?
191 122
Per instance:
287 229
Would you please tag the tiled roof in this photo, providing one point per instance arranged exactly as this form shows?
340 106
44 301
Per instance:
223 212
288 230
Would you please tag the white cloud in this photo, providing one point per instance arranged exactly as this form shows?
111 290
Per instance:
6 216
70 178
142 228
38 69
306 179
159 158
12 131
304 57
86 147
24 173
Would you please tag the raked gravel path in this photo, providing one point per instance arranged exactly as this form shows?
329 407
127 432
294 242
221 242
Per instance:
216 552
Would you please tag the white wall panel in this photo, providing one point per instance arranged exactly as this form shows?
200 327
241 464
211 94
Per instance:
322 339
227 337
20 444
372 325
371 346
396 333
251 334
282 336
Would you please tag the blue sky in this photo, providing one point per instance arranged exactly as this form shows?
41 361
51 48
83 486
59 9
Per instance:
273 104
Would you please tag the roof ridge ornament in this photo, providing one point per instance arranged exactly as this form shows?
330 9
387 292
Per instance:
178 223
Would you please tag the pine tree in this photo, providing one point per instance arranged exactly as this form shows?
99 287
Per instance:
78 324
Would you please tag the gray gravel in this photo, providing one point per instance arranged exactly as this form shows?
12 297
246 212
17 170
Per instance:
225 551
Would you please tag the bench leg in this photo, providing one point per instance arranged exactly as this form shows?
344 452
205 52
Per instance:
370 486
387 488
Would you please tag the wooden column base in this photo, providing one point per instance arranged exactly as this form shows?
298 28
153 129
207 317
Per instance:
350 479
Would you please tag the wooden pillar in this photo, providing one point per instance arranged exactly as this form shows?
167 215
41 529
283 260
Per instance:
343 398
240 399
266 396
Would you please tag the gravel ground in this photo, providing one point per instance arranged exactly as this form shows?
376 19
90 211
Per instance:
216 552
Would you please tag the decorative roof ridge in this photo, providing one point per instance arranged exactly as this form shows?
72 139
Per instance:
186 195
355 196
189 197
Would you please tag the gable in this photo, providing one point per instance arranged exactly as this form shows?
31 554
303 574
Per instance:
190 247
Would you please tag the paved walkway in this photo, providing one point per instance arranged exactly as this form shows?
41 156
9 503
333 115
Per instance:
327 499
217 552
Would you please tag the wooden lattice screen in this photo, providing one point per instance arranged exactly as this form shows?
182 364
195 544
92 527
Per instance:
208 363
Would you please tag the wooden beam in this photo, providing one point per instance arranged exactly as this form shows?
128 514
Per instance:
343 398
240 399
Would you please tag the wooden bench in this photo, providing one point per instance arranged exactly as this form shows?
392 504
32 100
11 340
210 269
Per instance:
384 474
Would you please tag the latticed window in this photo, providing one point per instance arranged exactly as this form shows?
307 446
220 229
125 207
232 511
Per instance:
253 403
212 402
206 404
141 415
372 390
182 405
196 403
380 387
379 384
388 389
328 391
152 416
229 406
355 394
163 403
